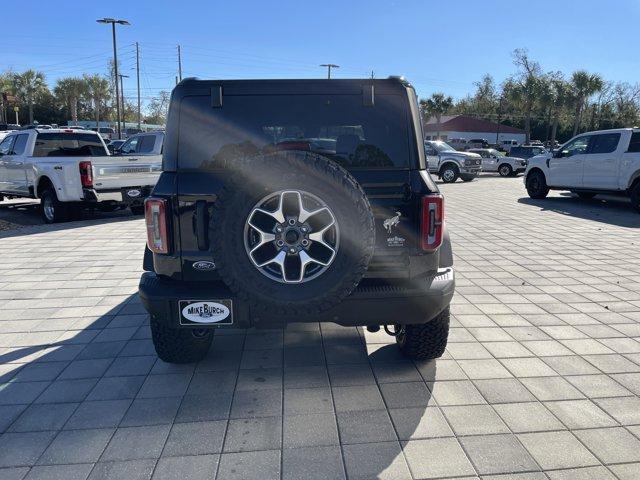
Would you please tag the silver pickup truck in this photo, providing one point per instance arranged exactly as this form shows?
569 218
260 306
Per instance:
69 169
450 164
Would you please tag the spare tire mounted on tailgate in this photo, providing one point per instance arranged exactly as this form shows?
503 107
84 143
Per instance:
292 232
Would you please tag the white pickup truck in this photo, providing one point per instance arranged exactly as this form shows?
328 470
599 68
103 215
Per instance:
606 161
69 169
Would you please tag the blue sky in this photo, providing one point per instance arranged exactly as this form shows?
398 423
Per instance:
439 46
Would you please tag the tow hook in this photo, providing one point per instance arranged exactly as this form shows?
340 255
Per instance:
373 328
395 332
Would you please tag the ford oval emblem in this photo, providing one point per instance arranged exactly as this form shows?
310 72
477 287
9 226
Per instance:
205 312
204 265
134 193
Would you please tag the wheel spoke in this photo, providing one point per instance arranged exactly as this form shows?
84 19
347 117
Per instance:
265 237
319 236
278 260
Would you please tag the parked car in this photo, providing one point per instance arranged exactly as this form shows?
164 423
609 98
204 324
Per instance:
68 168
143 145
114 146
107 133
450 164
495 161
605 161
526 151
459 144
506 145
244 233
477 143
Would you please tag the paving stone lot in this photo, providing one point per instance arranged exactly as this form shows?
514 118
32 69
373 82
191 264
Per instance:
541 378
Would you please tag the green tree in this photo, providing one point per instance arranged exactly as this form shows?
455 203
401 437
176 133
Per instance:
583 85
436 105
158 107
69 91
98 91
29 86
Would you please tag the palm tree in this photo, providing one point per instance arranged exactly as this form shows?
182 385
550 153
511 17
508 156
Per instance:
583 85
69 91
560 96
98 91
29 85
435 106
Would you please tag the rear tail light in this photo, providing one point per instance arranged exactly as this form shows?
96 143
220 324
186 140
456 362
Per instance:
86 174
155 213
432 222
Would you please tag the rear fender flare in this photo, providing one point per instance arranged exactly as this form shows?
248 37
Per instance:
634 178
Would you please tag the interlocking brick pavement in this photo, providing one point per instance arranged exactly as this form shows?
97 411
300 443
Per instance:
541 378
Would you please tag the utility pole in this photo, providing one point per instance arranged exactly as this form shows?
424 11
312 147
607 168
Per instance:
329 67
113 22
179 64
499 119
124 126
138 80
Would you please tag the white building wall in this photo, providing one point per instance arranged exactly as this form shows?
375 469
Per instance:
488 136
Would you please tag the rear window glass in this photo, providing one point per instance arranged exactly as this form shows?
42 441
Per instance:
67 144
20 144
336 126
634 144
146 143
605 143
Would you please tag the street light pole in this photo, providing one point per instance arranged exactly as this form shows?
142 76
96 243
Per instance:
329 67
113 22
124 125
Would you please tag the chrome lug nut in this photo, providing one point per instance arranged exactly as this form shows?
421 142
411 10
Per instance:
305 243
292 221
292 250
280 243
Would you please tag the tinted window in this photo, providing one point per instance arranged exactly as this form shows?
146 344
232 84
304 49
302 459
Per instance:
634 144
68 145
21 143
606 143
146 143
5 145
130 145
336 126
576 147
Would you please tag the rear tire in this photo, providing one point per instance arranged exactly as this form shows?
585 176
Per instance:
537 185
449 174
505 170
175 345
425 340
635 196
137 209
52 210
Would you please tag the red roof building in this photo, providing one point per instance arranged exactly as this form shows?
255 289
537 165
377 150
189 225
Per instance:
467 128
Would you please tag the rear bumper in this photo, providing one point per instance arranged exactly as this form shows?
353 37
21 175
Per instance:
118 195
419 302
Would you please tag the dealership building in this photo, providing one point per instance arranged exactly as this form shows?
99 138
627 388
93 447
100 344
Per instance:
467 128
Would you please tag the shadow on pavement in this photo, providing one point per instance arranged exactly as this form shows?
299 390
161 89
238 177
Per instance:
98 380
17 216
605 209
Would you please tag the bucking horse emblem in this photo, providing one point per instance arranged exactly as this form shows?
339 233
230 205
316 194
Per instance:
389 223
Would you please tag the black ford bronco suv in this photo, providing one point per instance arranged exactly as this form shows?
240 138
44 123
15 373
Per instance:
295 201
